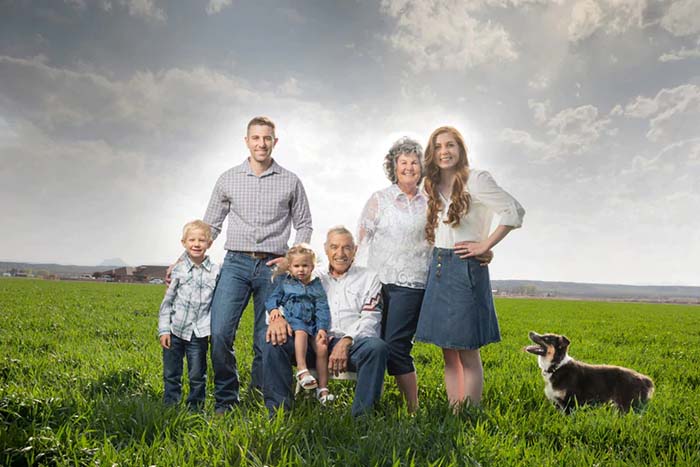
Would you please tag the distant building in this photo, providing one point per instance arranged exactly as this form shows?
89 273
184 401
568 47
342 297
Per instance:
148 273
138 274
124 274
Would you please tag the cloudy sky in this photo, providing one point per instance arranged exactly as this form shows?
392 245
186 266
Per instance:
117 116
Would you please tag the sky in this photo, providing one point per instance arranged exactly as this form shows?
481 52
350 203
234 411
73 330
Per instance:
118 116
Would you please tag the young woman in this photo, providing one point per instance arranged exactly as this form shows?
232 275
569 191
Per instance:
458 313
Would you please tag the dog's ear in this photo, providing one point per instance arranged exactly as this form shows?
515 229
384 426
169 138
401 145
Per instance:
565 341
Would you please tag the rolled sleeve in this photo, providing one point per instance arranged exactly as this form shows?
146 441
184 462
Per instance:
510 211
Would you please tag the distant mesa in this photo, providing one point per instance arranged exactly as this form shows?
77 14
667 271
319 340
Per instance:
113 263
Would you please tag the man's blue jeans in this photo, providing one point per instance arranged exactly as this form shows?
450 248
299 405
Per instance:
196 352
241 275
368 356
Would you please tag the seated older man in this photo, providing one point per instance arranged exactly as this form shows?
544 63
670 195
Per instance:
354 298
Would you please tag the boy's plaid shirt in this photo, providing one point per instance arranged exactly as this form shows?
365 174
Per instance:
185 307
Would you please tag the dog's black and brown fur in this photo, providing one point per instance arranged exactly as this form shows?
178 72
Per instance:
568 382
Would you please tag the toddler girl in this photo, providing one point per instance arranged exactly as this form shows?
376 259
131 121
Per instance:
302 301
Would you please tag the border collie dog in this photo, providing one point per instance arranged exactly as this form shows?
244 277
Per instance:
568 382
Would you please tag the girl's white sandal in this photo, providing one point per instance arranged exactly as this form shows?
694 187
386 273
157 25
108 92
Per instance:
324 395
308 381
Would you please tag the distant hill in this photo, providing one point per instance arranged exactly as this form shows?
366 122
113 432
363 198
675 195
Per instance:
597 291
113 263
61 270
515 288
58 269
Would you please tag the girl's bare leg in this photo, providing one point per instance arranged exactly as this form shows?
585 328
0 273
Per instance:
300 343
454 377
321 350
473 373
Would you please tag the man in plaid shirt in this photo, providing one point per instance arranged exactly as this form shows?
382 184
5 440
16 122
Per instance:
262 201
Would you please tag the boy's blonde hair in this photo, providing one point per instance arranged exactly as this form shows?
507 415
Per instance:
197 225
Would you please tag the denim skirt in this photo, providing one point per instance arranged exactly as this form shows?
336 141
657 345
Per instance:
458 310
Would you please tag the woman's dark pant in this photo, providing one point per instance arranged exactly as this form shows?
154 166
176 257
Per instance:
399 322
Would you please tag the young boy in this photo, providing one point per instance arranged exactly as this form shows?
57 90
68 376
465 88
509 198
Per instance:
183 322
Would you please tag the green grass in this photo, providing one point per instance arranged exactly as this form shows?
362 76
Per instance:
80 384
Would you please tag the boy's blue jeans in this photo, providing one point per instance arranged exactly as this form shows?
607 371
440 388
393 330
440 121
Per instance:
241 276
196 353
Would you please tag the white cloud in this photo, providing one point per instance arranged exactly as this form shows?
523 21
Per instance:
540 110
524 139
572 131
682 18
78 4
586 18
290 87
681 54
215 6
675 113
539 82
612 16
641 107
576 120
146 9
624 14
445 35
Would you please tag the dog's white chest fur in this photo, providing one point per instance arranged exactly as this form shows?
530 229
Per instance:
552 394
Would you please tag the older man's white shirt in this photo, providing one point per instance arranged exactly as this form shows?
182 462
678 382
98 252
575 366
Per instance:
355 302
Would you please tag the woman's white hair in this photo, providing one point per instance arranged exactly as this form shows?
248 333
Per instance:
403 145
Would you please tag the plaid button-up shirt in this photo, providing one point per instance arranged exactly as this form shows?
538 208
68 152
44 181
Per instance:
261 209
185 307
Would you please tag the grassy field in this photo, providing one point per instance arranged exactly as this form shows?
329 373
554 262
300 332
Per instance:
80 384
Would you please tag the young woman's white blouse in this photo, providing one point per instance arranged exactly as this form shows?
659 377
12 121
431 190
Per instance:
487 199
392 238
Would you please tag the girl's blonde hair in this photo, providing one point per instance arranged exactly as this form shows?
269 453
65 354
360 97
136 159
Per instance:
300 249
460 198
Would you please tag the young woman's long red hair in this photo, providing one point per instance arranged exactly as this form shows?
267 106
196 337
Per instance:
460 198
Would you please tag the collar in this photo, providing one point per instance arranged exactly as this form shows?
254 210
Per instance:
398 193
297 281
551 369
189 264
338 278
244 168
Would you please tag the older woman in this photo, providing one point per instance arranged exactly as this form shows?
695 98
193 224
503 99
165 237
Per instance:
458 313
392 243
